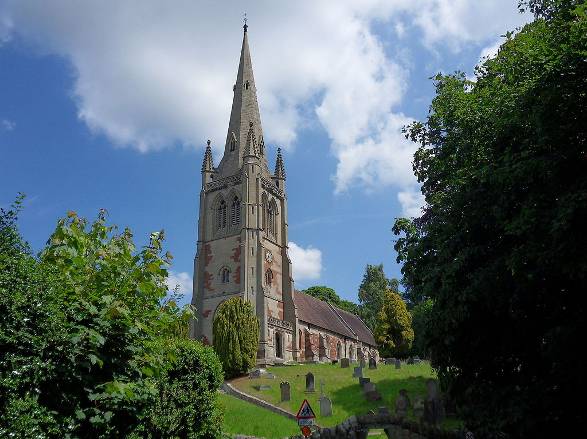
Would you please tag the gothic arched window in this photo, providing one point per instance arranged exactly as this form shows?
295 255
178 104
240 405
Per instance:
221 215
225 275
271 213
235 212
268 277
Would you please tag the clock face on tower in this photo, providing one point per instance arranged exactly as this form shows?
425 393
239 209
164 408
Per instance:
268 256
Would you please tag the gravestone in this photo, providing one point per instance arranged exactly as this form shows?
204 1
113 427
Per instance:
310 382
345 362
433 406
261 373
398 364
402 403
363 381
357 372
372 363
261 387
325 406
369 387
390 361
285 391
410 361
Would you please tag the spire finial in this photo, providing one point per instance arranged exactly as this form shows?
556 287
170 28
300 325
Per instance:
245 26
208 163
279 167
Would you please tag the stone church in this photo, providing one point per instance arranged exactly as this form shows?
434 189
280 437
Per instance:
242 247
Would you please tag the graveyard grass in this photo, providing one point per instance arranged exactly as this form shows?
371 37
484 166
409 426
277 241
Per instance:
342 389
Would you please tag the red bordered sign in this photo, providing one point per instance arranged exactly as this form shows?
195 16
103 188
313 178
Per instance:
306 418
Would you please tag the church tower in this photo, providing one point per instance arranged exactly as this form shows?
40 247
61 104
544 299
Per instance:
242 229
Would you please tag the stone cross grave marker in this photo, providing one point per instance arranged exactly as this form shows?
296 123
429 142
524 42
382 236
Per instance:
345 362
372 363
285 391
310 382
357 372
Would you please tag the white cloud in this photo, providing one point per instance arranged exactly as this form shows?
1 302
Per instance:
411 201
153 75
7 125
490 51
182 280
306 262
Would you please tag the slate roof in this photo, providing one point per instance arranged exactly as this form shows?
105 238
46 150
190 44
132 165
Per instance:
326 316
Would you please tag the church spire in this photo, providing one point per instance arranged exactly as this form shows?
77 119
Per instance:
208 163
245 109
279 167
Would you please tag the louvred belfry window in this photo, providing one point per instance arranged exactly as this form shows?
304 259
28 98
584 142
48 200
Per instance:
221 215
235 212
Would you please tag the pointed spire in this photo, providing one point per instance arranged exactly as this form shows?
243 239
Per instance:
251 145
208 163
245 109
279 167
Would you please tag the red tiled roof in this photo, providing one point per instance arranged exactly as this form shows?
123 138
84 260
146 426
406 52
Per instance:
322 314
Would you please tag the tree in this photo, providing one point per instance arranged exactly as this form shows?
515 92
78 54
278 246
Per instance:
372 292
394 331
500 247
421 323
85 331
327 294
236 336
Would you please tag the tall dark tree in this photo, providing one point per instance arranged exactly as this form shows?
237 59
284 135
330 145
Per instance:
372 293
500 247
327 294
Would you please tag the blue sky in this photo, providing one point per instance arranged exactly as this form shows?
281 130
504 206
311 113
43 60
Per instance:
109 105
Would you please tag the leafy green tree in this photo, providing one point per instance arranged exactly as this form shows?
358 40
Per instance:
394 331
327 294
372 292
500 247
236 336
421 314
84 330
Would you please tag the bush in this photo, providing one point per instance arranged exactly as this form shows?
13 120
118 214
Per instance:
394 331
236 336
187 388
81 329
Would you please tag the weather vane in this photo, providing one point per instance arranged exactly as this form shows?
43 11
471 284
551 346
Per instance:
245 21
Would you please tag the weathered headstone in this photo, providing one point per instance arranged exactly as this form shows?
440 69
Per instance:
363 381
345 362
402 403
261 373
368 387
357 372
325 406
433 406
398 364
372 363
261 387
310 382
285 391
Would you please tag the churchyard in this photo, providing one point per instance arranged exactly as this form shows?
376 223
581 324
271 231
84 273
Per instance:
342 388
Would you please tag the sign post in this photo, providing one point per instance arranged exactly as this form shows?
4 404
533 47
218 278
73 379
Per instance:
306 418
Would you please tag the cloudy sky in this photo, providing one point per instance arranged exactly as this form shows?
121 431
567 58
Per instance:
108 104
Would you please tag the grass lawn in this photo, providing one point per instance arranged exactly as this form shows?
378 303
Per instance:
344 390
241 417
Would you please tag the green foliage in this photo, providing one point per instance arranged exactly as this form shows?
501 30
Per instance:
236 336
327 294
187 389
421 314
500 247
394 331
372 293
84 329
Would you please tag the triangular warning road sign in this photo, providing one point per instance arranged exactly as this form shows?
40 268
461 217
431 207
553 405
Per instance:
305 411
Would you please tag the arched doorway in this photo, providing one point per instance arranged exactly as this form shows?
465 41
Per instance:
278 344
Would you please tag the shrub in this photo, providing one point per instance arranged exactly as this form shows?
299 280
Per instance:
187 388
236 336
